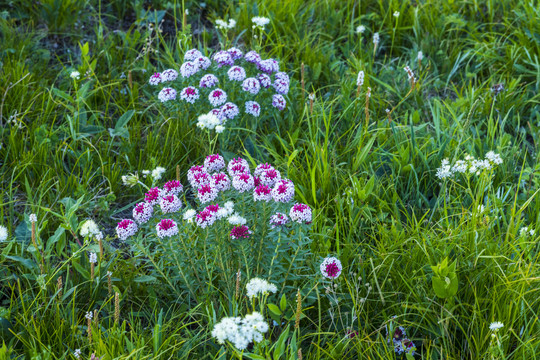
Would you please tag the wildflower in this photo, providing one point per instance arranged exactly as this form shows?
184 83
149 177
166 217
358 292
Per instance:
170 204
360 29
238 232
89 315
214 162
260 21
410 73
360 79
281 86
236 219
217 97
77 353
200 179
208 121
494 158
205 218
262 168
223 58
167 94
189 68
157 173
376 38
173 187
283 191
208 81
153 196
75 75
192 54
396 14
221 24
264 80
270 177
130 180
497 89
229 205
169 75
221 181
243 182
3 233
237 166
262 193
229 111
215 209
89 228
189 94
155 79
32 218
207 193
235 53
203 62
278 219
331 268
253 108
524 232
219 129
301 213
251 85
278 101
166 228
189 214
236 73
420 56
445 171
252 57
258 286
92 258
126 228
495 326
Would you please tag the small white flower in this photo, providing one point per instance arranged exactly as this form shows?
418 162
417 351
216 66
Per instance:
75 75
258 286
360 79
396 14
237 220
260 21
376 38
130 180
495 326
420 56
360 29
77 353
189 214
89 228
92 258
219 128
3 233
109 273
89 315
32 218
157 173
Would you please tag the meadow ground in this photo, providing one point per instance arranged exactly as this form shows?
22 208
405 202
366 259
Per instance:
407 129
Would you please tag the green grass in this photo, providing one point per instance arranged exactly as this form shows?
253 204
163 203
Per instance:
377 203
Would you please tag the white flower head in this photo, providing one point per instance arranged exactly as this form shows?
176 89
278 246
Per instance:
89 315
189 214
75 75
258 286
260 21
237 220
157 173
3 233
32 218
77 353
360 29
360 79
420 56
130 180
92 258
495 326
376 38
396 14
89 228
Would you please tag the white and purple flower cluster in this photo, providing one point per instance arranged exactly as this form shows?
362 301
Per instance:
247 84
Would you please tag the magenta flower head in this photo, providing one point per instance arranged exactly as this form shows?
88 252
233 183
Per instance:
243 182
221 181
203 62
235 53
252 57
239 232
189 94
170 204
155 79
142 212
253 108
331 268
278 101
301 213
265 80
166 228
126 228
200 179
278 219
229 111
194 170
223 58
237 166
189 69
217 97
283 76
167 94
283 191
153 196
251 85
270 177
236 73
207 193
281 86
205 218
173 187
214 162
208 81
169 75
262 193
192 55
262 168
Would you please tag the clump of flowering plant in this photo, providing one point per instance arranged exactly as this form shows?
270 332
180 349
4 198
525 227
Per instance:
222 89
227 217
